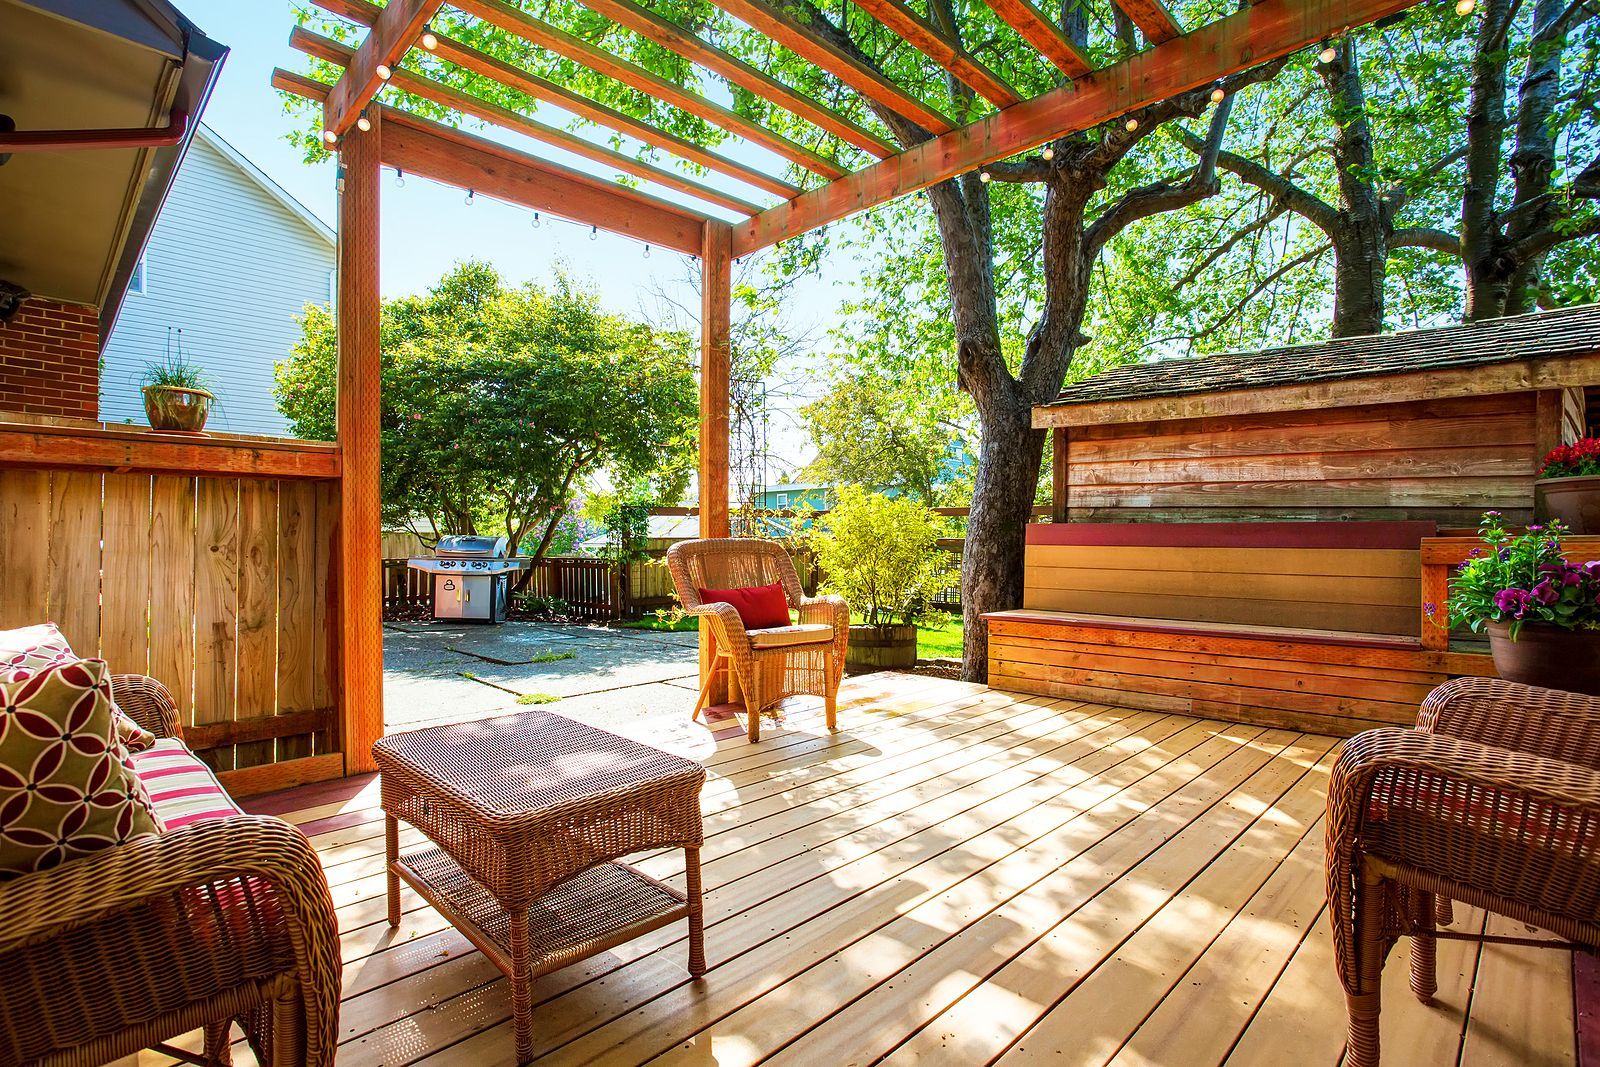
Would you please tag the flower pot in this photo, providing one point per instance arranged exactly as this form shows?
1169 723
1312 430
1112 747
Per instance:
174 409
874 648
1548 656
1575 501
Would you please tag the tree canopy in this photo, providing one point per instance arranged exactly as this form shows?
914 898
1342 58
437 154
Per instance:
500 403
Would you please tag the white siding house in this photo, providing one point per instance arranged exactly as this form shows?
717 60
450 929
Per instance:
233 259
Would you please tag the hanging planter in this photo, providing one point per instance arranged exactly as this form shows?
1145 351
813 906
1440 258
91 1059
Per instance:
175 397
1541 612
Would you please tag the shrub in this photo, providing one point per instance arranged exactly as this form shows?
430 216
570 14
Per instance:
882 555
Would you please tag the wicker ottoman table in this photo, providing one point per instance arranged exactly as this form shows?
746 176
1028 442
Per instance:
525 816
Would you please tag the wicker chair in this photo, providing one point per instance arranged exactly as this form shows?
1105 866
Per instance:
220 920
1493 800
764 665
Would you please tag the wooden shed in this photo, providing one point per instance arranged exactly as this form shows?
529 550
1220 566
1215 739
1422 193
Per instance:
1267 536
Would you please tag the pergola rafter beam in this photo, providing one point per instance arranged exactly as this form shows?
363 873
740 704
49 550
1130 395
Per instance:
498 70
826 55
442 153
446 96
736 71
543 35
1045 36
1153 19
926 38
393 33
1245 39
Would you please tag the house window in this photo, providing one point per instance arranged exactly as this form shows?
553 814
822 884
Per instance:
136 281
783 500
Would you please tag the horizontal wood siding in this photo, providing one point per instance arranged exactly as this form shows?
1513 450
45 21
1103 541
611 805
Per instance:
235 291
1359 590
217 586
1439 460
1269 681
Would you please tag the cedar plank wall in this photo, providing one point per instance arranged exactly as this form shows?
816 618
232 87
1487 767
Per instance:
217 586
1440 460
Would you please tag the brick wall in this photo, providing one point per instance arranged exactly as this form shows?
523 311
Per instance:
50 360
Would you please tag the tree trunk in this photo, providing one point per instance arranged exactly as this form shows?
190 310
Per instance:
1361 266
1002 502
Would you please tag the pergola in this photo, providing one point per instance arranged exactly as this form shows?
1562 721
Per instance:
369 135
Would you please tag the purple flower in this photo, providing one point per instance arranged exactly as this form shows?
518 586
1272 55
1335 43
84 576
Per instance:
1505 554
1429 609
1536 529
1513 602
1545 592
1475 553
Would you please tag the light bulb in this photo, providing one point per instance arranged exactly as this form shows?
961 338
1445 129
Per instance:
383 72
1048 153
363 123
985 177
429 40
1465 7
399 178
536 220
646 251
594 233
1328 53
330 137
1131 125
1218 95
470 198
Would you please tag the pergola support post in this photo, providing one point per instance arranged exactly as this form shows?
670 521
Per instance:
360 559
1058 474
716 324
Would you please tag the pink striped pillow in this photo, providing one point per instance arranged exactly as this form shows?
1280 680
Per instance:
182 789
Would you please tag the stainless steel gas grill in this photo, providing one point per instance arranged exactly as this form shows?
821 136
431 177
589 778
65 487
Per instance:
471 577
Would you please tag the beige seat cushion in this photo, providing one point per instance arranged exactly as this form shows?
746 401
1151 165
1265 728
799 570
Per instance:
805 633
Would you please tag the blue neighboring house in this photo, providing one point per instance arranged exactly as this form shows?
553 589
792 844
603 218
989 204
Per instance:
232 261
795 496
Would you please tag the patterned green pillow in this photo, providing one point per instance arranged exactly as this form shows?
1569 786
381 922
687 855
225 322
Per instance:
67 786
26 650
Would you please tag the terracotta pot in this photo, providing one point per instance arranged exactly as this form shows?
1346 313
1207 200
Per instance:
173 408
882 648
1575 501
1548 656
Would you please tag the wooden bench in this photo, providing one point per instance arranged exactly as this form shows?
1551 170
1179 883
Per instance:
1313 626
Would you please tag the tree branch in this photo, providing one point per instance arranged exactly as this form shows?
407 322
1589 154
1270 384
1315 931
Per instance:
1284 192
1426 237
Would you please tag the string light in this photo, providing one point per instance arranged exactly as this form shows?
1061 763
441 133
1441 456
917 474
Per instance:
429 40
363 123
471 198
1131 125
1048 153
1328 53
985 177
536 220
1218 95
594 233
399 178
646 251
1465 7
330 137
383 72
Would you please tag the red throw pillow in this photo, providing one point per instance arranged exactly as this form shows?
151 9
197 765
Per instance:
759 607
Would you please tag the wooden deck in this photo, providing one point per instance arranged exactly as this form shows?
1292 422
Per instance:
958 876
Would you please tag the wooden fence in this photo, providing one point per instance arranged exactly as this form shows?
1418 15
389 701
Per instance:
218 586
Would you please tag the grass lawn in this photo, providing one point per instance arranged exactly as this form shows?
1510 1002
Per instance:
943 643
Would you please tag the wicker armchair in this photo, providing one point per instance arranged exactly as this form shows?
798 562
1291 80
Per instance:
218 920
764 665
1493 800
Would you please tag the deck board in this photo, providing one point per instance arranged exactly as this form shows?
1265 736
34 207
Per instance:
957 876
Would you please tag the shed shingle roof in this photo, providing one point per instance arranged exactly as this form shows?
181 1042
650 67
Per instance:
1565 332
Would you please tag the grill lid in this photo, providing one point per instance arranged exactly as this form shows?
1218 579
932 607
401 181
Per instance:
466 546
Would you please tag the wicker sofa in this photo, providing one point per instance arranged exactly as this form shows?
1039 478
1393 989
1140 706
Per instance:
224 917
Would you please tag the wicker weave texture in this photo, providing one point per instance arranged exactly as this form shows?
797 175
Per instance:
765 676
1493 800
223 919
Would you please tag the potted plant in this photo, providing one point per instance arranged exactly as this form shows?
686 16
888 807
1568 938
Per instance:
1568 486
1542 613
176 399
882 555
